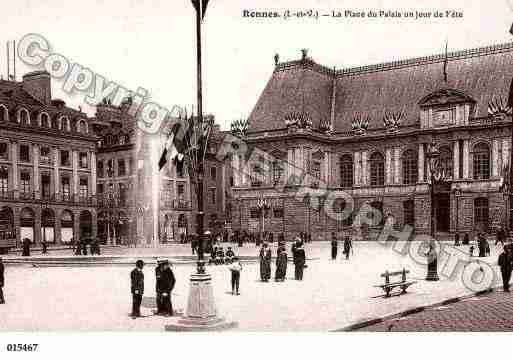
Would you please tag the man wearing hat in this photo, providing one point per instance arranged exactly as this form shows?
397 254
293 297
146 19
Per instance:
137 288
299 261
265 262
158 274
2 300
165 284
506 265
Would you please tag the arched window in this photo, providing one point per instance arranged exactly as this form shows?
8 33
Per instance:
64 123
410 169
23 117
481 214
44 120
346 171
377 169
4 113
277 171
81 126
481 161
315 167
446 161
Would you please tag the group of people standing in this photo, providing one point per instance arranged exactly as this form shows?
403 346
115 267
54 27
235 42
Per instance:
165 282
298 255
348 246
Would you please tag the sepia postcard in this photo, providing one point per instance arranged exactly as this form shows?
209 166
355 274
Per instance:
255 169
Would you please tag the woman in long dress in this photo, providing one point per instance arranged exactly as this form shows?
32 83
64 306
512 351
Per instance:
281 264
265 263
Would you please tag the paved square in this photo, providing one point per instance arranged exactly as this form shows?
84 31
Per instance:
332 295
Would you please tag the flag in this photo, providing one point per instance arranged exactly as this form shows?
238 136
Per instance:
180 140
200 5
170 152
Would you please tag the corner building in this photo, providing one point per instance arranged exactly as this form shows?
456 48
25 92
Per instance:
367 131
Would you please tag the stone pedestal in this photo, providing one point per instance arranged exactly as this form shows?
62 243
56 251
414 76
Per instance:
201 312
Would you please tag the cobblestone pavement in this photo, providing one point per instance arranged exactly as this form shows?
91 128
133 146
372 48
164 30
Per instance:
489 312
333 294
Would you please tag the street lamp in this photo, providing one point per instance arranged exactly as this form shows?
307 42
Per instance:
437 175
457 194
263 205
308 205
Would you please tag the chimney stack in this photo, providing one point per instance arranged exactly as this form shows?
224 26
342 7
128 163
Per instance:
37 83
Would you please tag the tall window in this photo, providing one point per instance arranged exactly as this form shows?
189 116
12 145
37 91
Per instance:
4 179
346 171
25 182
256 175
45 120
65 188
82 159
446 161
4 114
212 195
4 150
99 168
81 127
277 171
377 216
123 193
44 155
24 153
213 173
377 169
121 167
481 214
180 191
45 185
24 117
65 160
83 188
110 168
315 168
410 170
409 212
481 161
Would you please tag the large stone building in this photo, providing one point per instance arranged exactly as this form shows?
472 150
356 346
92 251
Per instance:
47 165
65 175
368 131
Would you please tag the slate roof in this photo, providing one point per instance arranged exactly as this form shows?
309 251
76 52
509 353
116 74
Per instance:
304 85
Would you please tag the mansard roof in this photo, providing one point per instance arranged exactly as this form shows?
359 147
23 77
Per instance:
478 74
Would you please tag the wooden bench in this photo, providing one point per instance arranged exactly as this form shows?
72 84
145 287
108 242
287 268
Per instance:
403 283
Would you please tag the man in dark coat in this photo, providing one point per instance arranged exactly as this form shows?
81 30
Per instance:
158 273
265 262
165 285
334 246
299 261
137 288
44 246
348 246
501 236
26 247
2 281
281 264
506 265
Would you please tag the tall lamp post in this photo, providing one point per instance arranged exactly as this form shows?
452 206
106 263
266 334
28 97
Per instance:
437 175
263 205
457 194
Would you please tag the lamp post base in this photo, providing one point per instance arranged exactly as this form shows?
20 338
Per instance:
201 312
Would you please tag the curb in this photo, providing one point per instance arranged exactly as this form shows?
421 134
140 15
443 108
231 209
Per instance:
407 312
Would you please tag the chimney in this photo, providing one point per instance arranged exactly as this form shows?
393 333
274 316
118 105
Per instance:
37 84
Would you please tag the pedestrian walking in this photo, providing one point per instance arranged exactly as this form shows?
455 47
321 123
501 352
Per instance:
506 265
281 264
265 262
334 246
235 269
2 281
137 288
26 247
44 246
165 286
299 261
456 240
466 239
348 246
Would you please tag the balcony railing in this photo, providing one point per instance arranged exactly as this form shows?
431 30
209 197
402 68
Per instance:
181 204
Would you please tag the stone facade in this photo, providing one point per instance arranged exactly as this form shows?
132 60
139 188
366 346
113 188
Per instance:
389 159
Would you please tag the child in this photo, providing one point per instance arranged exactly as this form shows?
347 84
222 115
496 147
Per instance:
235 268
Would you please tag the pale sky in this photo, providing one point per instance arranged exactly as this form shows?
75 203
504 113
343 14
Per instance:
151 43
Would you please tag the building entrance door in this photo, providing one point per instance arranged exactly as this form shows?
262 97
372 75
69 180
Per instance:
442 212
